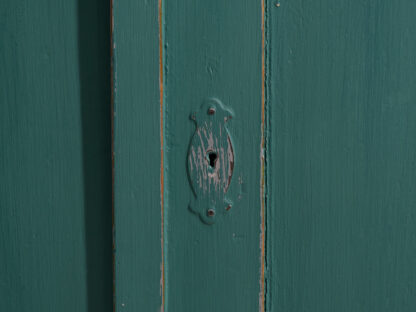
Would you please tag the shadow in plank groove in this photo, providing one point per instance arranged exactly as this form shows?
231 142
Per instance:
94 69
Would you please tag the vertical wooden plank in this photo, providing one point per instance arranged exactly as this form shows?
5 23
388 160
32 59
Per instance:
212 49
173 57
343 148
55 177
137 207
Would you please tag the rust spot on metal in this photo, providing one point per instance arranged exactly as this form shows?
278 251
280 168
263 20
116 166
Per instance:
211 111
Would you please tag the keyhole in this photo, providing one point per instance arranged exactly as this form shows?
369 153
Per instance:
212 156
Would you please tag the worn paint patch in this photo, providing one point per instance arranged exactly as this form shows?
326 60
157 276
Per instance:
210 161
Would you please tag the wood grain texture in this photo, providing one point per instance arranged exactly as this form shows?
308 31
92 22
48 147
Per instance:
55 169
137 201
342 170
212 49
207 50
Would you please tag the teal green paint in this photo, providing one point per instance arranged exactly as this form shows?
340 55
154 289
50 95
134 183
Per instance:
55 167
136 156
342 174
212 49
207 267
210 161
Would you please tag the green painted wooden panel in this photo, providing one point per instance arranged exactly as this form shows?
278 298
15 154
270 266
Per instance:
137 213
340 150
166 257
55 166
212 49
341 167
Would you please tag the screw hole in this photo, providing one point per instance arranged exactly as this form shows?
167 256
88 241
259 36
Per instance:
211 212
211 111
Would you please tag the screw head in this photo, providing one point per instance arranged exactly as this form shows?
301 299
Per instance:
211 111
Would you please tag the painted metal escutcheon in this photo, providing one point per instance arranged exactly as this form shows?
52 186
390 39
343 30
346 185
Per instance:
210 161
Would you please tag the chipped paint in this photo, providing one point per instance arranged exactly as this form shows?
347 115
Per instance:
210 161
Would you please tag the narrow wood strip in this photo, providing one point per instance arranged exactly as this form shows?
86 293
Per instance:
162 184
262 163
137 157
